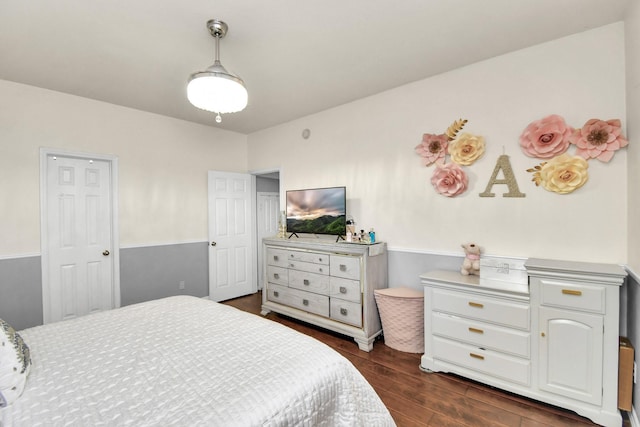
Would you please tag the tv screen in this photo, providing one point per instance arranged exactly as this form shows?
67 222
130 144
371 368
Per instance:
317 211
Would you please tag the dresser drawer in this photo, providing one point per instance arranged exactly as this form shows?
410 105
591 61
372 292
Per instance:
346 311
277 257
306 301
312 282
344 266
278 275
488 362
481 334
345 289
314 257
572 295
308 267
507 313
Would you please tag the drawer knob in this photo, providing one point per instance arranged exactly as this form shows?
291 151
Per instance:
476 356
276 276
275 258
475 304
343 290
542 334
476 330
343 267
305 282
320 270
343 311
305 302
571 292
276 294
319 259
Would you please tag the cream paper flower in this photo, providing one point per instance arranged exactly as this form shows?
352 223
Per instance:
466 149
563 174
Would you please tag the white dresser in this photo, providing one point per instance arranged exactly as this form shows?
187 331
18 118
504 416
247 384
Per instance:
556 342
329 284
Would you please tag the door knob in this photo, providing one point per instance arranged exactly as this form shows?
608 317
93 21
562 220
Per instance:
213 243
105 253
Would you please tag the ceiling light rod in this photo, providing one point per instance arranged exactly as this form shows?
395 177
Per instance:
216 89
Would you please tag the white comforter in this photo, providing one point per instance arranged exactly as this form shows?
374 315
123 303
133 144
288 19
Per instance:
186 361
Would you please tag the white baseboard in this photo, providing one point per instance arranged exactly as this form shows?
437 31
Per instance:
633 417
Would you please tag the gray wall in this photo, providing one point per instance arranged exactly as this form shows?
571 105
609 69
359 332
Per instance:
154 272
267 185
21 291
146 273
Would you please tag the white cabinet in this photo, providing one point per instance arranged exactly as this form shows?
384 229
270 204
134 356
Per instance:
556 342
326 283
475 331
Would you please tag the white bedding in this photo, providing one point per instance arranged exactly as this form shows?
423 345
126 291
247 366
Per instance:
186 361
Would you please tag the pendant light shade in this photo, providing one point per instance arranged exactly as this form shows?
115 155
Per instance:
215 89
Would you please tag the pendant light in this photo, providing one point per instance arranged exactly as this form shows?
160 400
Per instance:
215 89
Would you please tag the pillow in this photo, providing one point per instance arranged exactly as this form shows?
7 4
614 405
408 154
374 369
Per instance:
15 364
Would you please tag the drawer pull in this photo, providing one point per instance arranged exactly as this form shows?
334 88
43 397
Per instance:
305 302
275 258
276 294
476 356
343 267
305 282
476 330
276 276
571 292
343 311
343 290
320 270
319 259
476 304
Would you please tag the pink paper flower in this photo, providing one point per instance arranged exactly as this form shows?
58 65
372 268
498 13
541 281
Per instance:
432 148
599 139
449 180
546 138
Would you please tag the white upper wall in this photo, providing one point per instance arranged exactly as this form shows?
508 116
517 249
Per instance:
163 164
632 41
368 145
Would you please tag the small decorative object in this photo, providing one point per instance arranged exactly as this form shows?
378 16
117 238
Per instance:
550 137
599 139
563 174
282 225
503 164
466 149
546 138
449 179
432 148
471 263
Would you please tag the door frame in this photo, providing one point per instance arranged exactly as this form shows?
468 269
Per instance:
254 214
44 212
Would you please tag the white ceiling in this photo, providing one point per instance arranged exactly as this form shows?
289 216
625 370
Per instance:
296 57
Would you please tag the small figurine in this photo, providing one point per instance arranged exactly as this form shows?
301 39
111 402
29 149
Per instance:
471 263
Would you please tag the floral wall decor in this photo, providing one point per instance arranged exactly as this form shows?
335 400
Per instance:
450 179
550 138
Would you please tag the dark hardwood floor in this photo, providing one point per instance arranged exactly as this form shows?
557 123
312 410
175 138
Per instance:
416 398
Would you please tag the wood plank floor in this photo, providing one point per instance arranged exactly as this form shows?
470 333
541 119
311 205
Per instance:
416 398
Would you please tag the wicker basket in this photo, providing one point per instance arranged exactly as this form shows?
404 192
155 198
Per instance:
402 315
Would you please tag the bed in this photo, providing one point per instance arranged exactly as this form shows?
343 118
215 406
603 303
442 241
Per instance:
187 361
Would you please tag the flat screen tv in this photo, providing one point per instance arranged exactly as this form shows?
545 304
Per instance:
317 211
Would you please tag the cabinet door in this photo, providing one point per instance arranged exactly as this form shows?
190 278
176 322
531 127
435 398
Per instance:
571 354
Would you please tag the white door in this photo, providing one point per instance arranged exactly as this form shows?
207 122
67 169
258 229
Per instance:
268 211
232 272
78 269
